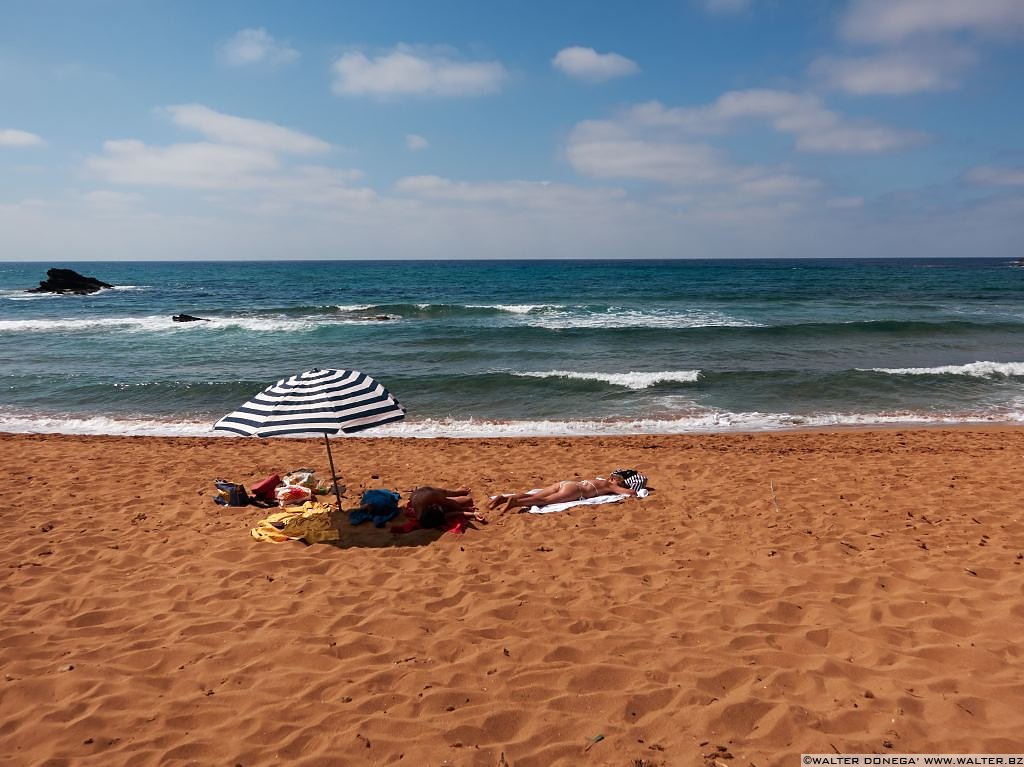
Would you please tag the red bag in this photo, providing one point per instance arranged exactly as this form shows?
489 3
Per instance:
264 490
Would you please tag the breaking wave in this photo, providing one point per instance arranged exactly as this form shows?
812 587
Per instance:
701 422
631 380
972 369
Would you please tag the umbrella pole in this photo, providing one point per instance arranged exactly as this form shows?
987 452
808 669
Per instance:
334 478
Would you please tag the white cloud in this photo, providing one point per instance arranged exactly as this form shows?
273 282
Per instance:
408 72
415 142
195 166
104 198
433 223
620 150
588 64
606 149
862 139
892 21
816 128
994 175
305 190
526 194
242 131
256 46
257 174
104 202
776 185
893 73
245 159
19 138
727 6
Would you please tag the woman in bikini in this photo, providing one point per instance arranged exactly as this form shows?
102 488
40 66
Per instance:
566 490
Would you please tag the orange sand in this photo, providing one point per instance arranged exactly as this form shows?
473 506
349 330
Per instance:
875 604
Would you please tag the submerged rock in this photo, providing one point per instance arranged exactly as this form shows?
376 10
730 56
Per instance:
69 281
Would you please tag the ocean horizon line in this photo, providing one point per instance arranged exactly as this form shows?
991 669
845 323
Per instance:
538 260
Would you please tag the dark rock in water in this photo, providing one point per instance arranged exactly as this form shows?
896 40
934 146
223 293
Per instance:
68 281
188 318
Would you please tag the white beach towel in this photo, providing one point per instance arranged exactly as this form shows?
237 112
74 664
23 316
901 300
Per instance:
597 499
553 507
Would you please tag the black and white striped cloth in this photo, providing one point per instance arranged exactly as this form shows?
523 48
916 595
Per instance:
634 480
315 402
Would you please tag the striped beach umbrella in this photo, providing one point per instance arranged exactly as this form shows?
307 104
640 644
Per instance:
316 402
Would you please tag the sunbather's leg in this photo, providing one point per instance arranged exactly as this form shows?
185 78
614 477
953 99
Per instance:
497 501
563 491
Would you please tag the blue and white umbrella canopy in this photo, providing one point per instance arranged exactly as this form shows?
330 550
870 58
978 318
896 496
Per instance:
315 402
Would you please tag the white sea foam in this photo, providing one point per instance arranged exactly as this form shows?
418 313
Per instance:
105 425
516 308
631 380
159 323
25 295
697 423
265 324
972 369
636 318
126 323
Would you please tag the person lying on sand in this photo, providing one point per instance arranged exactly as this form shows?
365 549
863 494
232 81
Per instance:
566 490
436 505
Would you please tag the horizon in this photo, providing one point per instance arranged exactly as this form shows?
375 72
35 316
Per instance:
676 130
540 260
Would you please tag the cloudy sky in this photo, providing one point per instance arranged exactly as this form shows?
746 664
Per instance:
464 129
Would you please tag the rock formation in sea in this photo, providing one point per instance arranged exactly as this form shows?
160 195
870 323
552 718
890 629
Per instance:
69 281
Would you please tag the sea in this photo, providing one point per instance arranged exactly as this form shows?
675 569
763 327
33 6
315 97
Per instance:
517 348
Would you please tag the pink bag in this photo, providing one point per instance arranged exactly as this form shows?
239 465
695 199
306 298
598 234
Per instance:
264 489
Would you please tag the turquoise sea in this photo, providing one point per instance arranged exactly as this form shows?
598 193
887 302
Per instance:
526 347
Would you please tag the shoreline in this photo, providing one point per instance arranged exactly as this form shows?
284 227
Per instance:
778 593
440 433
370 434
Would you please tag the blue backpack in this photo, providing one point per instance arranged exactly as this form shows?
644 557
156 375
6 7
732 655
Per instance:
230 494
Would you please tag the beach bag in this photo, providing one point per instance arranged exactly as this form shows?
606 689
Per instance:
287 494
264 489
230 493
303 477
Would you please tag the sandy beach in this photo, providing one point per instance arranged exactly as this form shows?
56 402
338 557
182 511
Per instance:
848 591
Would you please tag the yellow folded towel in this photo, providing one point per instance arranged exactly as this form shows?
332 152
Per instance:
310 522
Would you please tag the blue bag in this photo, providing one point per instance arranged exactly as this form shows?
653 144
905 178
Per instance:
230 493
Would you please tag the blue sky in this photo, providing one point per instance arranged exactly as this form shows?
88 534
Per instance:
444 129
